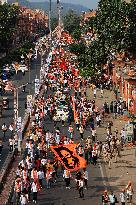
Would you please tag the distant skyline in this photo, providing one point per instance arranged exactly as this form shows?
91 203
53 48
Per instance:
91 4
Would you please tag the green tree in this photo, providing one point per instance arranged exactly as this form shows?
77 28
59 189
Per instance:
54 23
71 22
111 23
8 18
130 39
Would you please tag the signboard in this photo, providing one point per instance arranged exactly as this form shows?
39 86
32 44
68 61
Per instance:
37 86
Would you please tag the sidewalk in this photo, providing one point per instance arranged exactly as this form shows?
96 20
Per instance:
123 171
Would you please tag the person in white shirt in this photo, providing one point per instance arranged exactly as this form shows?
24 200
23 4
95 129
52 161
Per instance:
81 190
67 176
112 198
123 197
34 189
23 199
85 177
11 128
41 177
43 162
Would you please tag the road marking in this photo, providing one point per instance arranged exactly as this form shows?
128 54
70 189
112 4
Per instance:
102 174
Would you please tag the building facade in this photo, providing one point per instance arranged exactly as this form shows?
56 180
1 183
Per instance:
124 79
31 23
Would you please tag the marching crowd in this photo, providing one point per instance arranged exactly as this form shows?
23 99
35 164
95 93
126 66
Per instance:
63 85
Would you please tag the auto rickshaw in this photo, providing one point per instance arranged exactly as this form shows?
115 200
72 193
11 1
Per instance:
5 103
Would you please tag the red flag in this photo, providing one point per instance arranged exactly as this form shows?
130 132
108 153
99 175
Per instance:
63 65
68 156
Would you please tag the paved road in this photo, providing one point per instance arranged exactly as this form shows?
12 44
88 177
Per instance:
18 79
58 194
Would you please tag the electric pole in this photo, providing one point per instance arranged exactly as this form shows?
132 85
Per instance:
59 18
50 17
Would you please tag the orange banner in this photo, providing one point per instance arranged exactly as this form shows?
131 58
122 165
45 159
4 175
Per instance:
68 157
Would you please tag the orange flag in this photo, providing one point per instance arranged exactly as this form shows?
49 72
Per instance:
68 157
63 65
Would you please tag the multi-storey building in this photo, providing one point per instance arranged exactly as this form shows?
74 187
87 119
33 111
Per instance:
124 79
30 23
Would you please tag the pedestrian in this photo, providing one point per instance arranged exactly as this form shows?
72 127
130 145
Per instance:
77 121
48 178
94 92
94 157
109 156
85 177
17 189
78 177
11 129
41 177
23 199
34 189
112 199
67 177
105 198
102 92
71 131
4 129
97 120
93 134
129 190
81 130
63 120
123 197
81 188
11 143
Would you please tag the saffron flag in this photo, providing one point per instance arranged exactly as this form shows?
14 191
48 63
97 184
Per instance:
68 157
63 65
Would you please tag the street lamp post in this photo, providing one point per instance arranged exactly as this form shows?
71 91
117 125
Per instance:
50 17
29 69
59 17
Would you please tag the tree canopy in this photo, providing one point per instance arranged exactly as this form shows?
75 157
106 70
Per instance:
115 30
8 18
71 22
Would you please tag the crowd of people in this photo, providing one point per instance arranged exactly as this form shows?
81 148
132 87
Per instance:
64 87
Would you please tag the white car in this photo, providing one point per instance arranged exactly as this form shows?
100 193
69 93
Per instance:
61 114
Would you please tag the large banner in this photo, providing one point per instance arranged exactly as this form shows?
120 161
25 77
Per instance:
68 156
